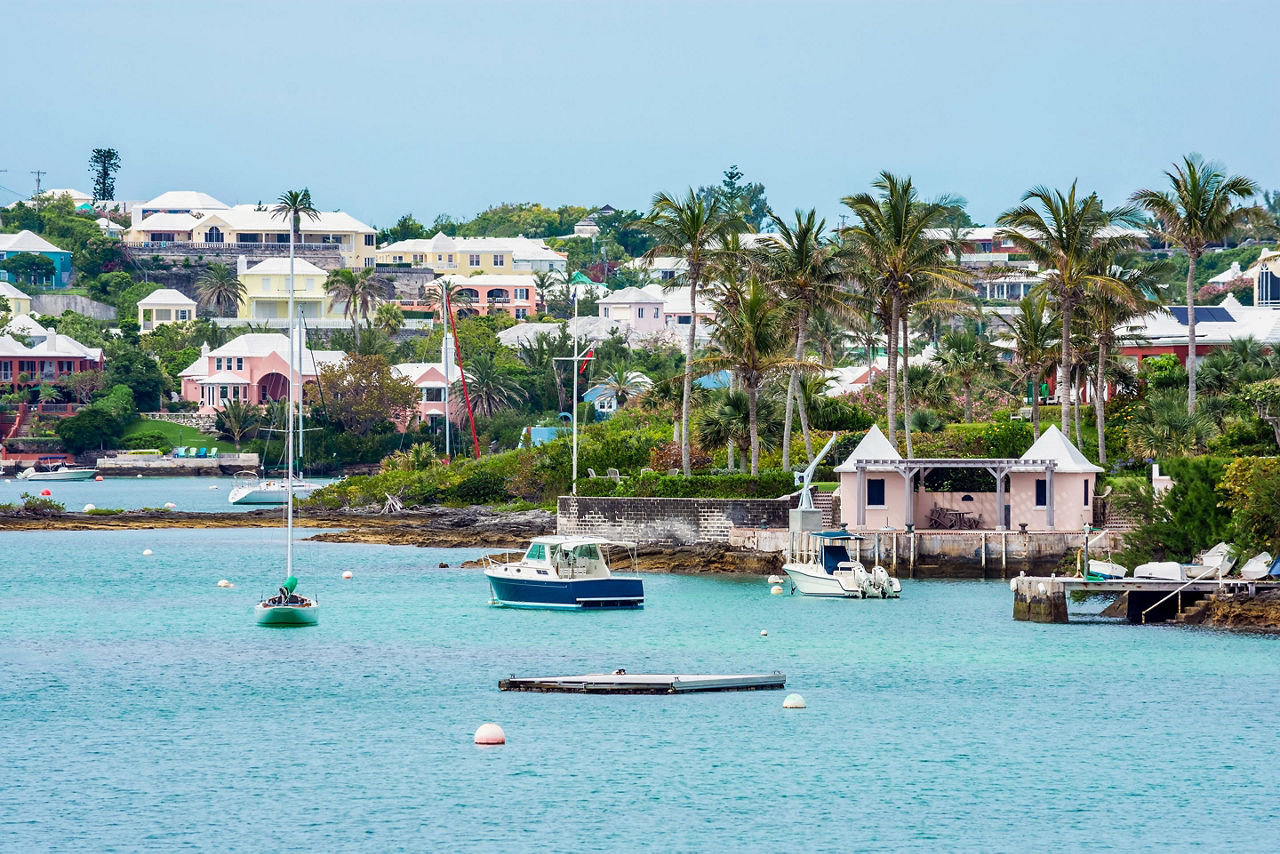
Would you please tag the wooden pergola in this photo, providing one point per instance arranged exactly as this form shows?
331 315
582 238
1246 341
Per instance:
911 469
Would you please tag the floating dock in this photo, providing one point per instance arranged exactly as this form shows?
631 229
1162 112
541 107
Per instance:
644 683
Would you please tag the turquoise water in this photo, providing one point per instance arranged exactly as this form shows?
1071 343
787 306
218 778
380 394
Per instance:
142 709
192 494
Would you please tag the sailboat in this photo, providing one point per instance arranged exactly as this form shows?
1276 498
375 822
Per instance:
288 608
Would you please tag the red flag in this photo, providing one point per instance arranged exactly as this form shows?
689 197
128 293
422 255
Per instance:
589 354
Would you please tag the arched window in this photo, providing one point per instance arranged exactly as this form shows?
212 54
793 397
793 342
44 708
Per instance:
213 235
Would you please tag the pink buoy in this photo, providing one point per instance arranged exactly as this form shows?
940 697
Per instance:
98 478
45 492
490 734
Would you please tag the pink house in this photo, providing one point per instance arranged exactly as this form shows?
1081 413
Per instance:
639 307
1050 487
253 368
429 379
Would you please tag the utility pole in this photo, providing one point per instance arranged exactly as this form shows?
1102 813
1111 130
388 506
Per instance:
38 173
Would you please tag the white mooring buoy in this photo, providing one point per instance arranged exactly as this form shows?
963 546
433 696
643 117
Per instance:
146 552
224 583
169 505
793 701
764 633
775 579
89 507
775 590
490 734
346 576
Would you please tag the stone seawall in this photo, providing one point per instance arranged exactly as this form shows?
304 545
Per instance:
205 423
668 521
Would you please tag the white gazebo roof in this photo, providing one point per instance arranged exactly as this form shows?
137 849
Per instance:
166 296
874 446
224 378
1052 445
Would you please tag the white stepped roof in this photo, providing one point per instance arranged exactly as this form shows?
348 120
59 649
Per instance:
874 446
25 324
183 200
632 295
8 291
1052 445
166 296
521 248
26 241
280 267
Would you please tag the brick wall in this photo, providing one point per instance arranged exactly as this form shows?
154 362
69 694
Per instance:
675 521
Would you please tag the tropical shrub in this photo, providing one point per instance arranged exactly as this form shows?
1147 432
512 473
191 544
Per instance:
146 439
1251 491
1187 519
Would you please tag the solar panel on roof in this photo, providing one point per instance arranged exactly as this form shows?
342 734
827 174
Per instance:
1204 314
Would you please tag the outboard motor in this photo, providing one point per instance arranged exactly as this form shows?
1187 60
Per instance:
882 582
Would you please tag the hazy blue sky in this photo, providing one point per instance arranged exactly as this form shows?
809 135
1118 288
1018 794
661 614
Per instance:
387 107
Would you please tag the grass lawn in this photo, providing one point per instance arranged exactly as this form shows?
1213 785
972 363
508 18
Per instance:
178 435
825 486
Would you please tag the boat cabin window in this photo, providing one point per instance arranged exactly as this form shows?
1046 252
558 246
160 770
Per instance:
587 552
537 551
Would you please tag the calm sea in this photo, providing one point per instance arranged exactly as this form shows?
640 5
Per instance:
142 709
191 494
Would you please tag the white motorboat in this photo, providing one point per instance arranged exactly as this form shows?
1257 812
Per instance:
564 573
249 488
819 564
60 471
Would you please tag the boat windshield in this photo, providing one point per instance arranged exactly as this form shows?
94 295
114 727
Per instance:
579 560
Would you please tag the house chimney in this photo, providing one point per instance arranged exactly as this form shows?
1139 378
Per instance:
242 266
204 349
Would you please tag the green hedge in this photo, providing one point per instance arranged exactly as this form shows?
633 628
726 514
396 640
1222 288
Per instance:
770 484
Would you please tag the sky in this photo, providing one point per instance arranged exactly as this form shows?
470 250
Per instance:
388 107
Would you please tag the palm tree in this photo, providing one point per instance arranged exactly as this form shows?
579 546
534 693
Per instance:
752 331
726 420
622 382
236 419
1164 428
451 291
1066 235
356 291
1033 337
692 228
491 387
1108 318
866 333
389 318
802 265
967 359
219 287
48 394
830 337
1198 210
897 263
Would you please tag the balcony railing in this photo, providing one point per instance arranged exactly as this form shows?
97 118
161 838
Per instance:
233 248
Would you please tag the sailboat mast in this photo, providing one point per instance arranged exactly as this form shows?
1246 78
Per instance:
288 499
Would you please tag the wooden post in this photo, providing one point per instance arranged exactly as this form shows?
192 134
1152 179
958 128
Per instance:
894 564
1000 526
984 555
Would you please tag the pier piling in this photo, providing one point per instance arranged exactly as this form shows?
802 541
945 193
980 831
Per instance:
1039 600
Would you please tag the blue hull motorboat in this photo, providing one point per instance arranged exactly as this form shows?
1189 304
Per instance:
564 573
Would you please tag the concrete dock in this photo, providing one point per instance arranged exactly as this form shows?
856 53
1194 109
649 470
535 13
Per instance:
1039 599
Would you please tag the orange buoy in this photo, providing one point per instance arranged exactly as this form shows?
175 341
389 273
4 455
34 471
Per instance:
490 734
98 478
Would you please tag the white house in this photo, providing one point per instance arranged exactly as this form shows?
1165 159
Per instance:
165 306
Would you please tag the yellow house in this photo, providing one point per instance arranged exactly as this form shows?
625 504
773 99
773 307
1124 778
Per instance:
266 287
252 227
19 303
165 306
467 256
